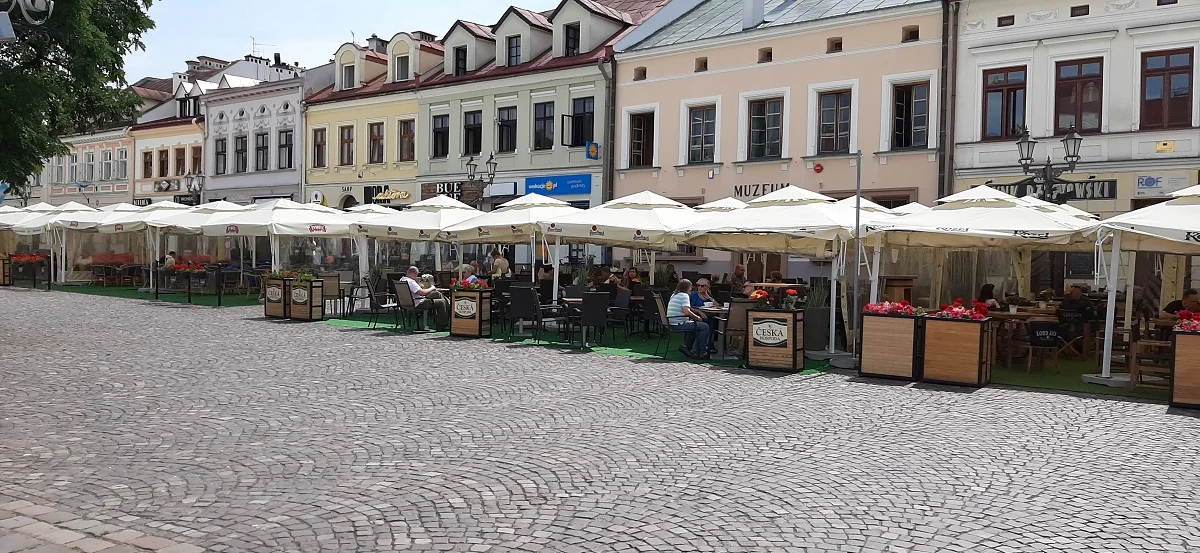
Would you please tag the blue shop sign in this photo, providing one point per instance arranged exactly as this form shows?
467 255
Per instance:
560 185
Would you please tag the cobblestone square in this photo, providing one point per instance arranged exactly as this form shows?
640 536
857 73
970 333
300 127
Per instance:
181 429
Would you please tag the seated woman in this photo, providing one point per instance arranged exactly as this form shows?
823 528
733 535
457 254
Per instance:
987 295
631 277
775 278
702 294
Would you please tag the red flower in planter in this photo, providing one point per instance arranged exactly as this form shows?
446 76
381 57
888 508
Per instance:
1186 315
791 292
1189 321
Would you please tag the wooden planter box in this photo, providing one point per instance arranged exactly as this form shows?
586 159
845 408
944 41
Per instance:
1185 371
776 340
277 291
958 351
5 271
471 313
891 346
306 300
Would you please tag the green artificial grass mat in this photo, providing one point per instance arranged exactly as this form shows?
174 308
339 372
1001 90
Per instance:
1068 379
637 347
233 300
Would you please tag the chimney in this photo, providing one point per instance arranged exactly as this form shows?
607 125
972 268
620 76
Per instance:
377 44
277 59
753 13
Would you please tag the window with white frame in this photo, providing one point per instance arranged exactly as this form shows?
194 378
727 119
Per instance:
106 165
56 175
910 115
834 113
641 139
348 81
702 134
122 168
765 133
73 169
89 167
402 68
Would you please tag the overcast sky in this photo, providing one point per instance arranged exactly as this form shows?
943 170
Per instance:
304 31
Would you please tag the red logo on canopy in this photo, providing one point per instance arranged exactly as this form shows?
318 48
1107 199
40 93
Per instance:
593 228
119 228
231 229
316 228
74 224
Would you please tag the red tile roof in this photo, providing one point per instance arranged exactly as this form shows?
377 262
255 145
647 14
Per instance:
168 122
477 29
605 11
531 17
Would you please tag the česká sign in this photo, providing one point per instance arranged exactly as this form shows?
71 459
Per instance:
465 308
771 333
1083 190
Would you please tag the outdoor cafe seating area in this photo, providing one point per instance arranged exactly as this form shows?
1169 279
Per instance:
352 264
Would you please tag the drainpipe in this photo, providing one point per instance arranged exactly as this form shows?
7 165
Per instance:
948 95
610 131
610 122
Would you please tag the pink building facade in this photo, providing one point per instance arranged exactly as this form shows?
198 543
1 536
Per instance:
785 96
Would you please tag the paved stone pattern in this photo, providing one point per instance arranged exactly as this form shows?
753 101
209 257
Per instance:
218 429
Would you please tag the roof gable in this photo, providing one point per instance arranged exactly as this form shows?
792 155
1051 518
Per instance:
474 29
533 19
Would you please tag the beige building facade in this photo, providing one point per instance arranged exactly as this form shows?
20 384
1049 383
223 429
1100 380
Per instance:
792 97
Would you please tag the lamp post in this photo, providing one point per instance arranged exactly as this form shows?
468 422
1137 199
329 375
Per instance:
194 183
34 13
1049 172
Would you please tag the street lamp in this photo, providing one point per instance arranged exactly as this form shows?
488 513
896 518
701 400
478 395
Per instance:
471 168
31 10
489 167
1049 172
194 184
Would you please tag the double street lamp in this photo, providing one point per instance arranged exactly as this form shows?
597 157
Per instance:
194 182
1049 172
489 167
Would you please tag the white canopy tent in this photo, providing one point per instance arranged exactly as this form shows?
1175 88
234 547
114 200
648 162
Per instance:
790 220
910 208
1168 227
136 221
371 208
284 217
640 221
866 205
38 223
511 223
423 221
723 204
65 225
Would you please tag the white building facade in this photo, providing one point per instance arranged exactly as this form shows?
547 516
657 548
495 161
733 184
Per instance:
254 141
1119 72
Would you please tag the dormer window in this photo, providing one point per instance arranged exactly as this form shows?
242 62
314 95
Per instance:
402 68
460 60
571 39
514 50
348 77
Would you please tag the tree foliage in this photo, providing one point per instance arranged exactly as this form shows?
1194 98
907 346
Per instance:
65 77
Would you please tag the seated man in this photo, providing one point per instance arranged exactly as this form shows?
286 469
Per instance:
1075 310
683 318
1190 302
427 298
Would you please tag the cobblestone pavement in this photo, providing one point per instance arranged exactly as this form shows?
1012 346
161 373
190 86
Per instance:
215 429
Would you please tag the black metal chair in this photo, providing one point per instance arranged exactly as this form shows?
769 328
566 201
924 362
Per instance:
381 302
574 291
666 325
735 322
592 313
618 313
406 305
1071 327
1043 338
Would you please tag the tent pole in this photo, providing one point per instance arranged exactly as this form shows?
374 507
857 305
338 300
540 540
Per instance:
652 267
875 259
557 242
1110 314
459 247
833 278
532 257
853 319
275 264
364 263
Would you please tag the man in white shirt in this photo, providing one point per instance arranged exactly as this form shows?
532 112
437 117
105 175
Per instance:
427 298
683 318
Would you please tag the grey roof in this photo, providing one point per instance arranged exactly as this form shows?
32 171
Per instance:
714 18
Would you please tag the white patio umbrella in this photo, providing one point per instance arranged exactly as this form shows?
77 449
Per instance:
791 220
9 209
910 208
867 205
643 220
37 221
512 223
723 204
371 208
423 221
1062 208
282 217
1168 227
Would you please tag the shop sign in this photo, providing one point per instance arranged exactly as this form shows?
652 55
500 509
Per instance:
187 199
464 191
771 333
299 295
465 308
560 185
747 192
141 202
1082 190
1161 184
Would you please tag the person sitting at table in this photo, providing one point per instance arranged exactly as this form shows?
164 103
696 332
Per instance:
500 266
776 277
672 276
469 274
427 298
631 277
987 296
546 272
1190 301
702 294
1079 309
683 318
169 260
738 280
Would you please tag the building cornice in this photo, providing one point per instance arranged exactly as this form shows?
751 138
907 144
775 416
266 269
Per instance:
545 79
768 33
102 136
230 95
1153 19
398 98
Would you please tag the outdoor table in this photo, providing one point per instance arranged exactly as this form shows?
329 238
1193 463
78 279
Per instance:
716 313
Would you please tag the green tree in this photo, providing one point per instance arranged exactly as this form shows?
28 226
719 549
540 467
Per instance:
66 76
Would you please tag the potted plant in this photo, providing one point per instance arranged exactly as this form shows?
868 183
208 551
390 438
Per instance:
25 266
891 340
1044 298
816 317
1185 368
1013 302
305 301
471 304
776 333
276 287
958 345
